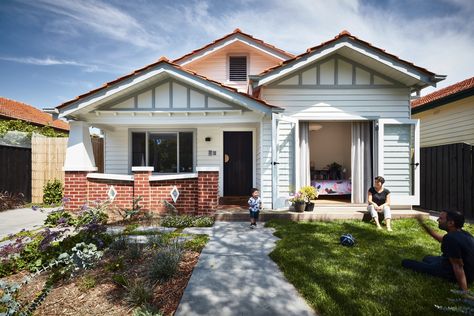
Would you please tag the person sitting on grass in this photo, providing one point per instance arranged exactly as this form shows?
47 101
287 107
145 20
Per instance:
255 204
379 200
457 246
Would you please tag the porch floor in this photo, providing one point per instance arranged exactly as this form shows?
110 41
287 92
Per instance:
230 213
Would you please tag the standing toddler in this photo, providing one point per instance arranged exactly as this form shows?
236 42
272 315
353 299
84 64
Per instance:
255 204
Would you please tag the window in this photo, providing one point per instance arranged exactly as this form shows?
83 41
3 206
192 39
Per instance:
238 68
168 152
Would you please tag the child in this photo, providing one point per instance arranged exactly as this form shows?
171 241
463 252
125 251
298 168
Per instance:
255 204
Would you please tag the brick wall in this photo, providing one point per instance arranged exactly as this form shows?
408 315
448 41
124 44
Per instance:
197 196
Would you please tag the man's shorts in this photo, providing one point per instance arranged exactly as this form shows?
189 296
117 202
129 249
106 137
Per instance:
254 214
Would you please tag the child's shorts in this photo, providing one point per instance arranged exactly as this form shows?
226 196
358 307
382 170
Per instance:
254 214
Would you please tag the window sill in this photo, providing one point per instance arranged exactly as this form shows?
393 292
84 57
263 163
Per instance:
173 176
110 176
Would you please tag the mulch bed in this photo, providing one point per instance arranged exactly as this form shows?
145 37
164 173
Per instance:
69 297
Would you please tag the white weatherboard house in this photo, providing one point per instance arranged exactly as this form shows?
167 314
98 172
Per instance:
261 117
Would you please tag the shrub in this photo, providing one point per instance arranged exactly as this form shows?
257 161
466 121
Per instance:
52 192
119 244
165 263
182 221
197 243
86 283
134 251
309 192
146 310
93 215
59 217
138 293
10 200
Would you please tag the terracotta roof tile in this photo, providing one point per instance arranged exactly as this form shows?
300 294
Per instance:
443 93
236 31
342 34
163 60
21 111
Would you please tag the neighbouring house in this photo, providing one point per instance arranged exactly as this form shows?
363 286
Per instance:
240 113
14 110
447 140
447 115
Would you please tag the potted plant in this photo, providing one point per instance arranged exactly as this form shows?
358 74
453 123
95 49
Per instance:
298 201
310 193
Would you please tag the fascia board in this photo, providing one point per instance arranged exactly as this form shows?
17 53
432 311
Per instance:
324 52
173 72
230 41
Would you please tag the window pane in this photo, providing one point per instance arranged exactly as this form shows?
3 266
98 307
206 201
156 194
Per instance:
162 152
185 152
138 149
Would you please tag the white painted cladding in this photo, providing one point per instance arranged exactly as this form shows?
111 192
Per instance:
266 162
448 124
341 103
116 151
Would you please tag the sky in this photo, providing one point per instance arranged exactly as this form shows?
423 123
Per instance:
54 50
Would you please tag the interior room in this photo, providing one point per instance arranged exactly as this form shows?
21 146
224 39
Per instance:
330 160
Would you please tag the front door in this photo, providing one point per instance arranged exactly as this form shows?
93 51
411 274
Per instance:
398 159
237 163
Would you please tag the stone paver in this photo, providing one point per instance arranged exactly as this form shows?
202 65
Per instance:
235 276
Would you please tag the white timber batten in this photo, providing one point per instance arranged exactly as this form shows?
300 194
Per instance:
108 176
173 176
316 56
207 168
166 113
229 42
79 154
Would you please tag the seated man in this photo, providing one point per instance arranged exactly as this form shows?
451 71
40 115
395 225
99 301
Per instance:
457 260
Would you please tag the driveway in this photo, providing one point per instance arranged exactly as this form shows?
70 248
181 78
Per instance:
12 221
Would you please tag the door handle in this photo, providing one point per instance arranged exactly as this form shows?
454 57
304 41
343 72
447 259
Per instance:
415 164
275 163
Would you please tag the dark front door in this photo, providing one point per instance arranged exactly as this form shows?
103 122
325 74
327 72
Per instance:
237 163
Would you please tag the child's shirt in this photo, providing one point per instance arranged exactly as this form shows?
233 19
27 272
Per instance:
254 204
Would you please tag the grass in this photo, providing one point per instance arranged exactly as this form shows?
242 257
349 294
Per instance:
366 279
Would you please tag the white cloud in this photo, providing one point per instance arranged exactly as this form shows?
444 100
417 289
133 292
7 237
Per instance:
48 61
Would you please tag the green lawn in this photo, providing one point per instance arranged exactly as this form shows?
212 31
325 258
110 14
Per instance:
366 279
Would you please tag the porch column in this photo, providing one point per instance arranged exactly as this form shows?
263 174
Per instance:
79 161
141 178
208 190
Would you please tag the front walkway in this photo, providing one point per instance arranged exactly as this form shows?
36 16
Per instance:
12 221
235 276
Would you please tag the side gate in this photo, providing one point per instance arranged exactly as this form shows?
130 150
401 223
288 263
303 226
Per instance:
15 170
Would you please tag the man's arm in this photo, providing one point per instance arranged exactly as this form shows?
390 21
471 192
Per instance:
387 202
458 270
369 199
428 229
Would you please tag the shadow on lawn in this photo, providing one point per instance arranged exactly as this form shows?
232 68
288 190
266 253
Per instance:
360 280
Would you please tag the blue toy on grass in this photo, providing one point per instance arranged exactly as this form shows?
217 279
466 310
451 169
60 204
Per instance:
347 240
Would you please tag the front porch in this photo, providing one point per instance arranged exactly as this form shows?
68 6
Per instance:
320 213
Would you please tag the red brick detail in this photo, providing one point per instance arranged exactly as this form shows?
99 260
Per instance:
75 189
142 188
208 192
187 200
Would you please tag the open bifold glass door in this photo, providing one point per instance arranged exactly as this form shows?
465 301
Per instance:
284 158
398 159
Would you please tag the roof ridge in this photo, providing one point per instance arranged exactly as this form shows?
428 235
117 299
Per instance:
343 33
455 88
236 31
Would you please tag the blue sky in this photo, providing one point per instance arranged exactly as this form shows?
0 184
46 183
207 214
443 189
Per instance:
52 50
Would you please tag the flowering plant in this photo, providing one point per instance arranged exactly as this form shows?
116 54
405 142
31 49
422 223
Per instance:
298 197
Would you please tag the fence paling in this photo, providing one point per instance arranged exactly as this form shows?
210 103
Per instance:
48 156
447 178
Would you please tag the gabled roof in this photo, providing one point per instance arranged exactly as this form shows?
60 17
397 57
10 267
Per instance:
162 61
20 111
443 96
237 33
345 35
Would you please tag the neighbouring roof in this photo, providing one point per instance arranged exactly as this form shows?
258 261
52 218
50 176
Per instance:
24 112
340 36
224 38
148 67
442 96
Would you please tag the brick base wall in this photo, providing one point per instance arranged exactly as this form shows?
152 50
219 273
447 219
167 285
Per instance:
197 196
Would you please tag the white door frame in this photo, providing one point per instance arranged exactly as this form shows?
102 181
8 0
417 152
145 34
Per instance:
398 199
279 117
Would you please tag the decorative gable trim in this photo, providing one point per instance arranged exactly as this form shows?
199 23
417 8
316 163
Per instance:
347 41
336 72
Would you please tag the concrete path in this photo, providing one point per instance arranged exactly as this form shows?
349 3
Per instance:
12 221
235 276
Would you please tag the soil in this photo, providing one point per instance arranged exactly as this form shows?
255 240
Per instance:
72 297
